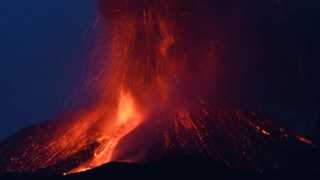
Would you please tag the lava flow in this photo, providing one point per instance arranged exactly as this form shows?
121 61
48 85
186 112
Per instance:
155 100
123 122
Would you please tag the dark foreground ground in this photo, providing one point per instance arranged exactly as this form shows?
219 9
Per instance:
183 168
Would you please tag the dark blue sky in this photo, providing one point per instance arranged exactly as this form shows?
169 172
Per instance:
42 48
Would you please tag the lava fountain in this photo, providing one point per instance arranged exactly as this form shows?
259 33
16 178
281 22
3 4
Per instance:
156 96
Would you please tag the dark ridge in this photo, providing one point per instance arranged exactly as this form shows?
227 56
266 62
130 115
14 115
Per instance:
181 168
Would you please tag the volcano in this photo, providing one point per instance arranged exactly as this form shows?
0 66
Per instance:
156 99
250 144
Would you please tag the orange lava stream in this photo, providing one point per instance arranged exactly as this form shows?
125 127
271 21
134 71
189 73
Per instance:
145 66
126 119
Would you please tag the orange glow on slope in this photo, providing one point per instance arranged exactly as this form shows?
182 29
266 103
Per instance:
126 109
157 69
126 119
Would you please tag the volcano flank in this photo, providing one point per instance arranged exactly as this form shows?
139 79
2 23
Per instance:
158 101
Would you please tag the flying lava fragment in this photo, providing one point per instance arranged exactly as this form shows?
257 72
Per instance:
154 100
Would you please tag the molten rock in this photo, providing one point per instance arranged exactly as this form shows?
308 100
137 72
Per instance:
156 99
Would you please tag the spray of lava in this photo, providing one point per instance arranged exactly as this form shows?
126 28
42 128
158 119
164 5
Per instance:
158 82
147 65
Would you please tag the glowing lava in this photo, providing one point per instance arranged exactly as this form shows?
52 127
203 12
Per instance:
156 78
126 119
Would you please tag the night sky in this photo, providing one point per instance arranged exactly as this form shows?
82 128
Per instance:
43 49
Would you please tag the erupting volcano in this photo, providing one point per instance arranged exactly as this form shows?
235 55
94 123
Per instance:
154 100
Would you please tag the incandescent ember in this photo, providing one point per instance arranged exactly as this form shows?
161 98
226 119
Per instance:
155 100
